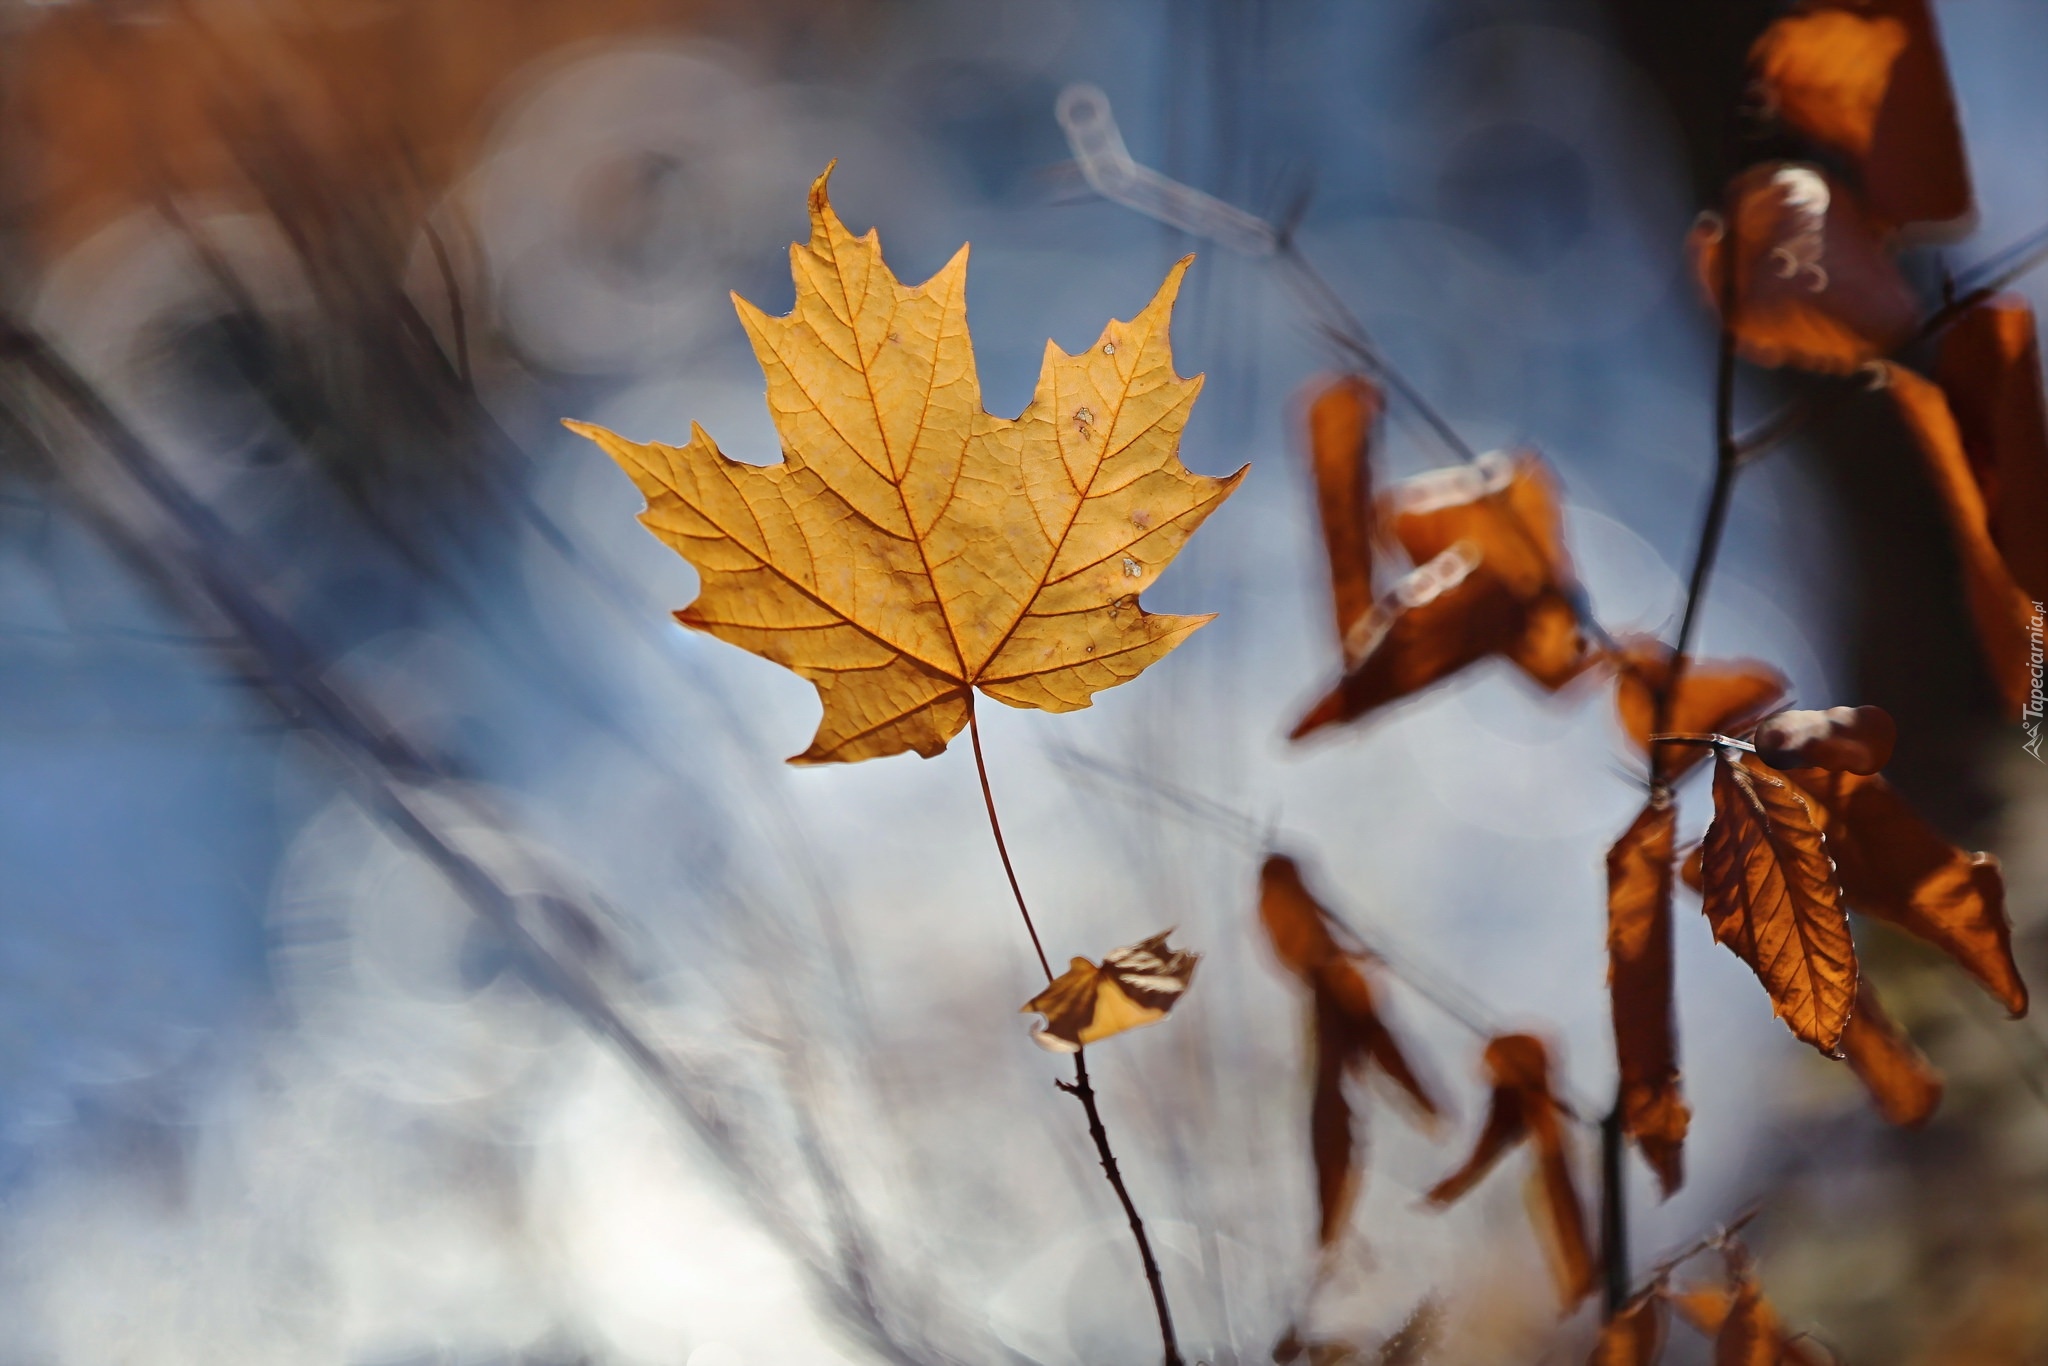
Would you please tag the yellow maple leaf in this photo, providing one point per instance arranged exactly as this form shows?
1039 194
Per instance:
910 547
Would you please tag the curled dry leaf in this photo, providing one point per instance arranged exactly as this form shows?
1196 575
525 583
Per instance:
1350 1035
1866 79
1814 286
1847 739
1437 619
1990 369
909 547
1523 1106
1771 897
1136 985
2003 612
1341 419
1653 1110
1635 1336
1744 1324
1714 697
1494 578
1509 507
1903 1085
1896 867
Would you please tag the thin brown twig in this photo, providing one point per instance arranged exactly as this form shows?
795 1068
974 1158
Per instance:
1080 1088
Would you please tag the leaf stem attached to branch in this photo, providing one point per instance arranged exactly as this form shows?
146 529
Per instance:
1727 465
1079 1088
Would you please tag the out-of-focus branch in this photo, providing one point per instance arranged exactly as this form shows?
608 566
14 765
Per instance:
189 552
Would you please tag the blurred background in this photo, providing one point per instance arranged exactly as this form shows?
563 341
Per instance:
413 948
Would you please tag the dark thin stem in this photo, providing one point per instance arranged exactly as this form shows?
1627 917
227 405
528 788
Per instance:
1342 326
1079 1088
457 324
1613 1215
1727 465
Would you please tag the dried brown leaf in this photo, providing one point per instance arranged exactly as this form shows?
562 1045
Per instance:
1814 285
1341 419
1350 1035
1851 739
1715 696
1903 1085
1896 867
1633 1337
1135 985
1653 1109
1451 612
1772 897
2003 612
1990 368
1867 80
1509 507
1523 1106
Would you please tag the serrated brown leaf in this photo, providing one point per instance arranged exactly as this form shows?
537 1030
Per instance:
1342 416
1773 899
1849 739
1814 285
1133 986
1633 1337
1867 80
1990 369
909 547
1350 1035
1524 1107
2001 609
1715 696
1897 868
1509 507
1903 1085
1639 969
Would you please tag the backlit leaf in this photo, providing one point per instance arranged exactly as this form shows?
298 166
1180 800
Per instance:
2000 607
1509 507
1902 1083
1814 285
1850 739
1523 1106
1350 1035
1133 986
1633 1337
1772 897
1867 80
1896 867
1990 369
909 548
1715 696
1653 1110
1710 1310
1341 419
1437 619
